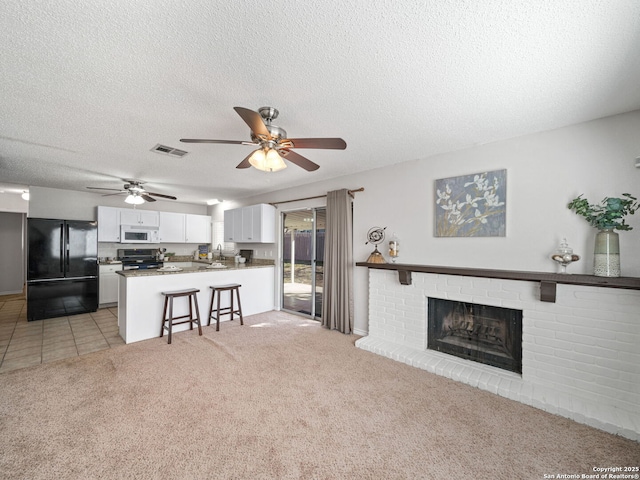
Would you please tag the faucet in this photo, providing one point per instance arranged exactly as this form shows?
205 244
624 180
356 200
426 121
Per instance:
219 250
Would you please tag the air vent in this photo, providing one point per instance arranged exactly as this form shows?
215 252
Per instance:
174 152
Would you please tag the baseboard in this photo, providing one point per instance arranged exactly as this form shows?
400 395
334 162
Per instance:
12 292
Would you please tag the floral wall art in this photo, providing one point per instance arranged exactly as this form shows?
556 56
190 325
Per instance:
472 205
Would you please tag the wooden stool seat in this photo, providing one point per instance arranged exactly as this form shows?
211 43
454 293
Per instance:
170 321
230 310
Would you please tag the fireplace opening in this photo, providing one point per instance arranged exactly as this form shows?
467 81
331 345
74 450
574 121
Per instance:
482 333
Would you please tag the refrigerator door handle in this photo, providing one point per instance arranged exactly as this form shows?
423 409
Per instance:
66 226
62 248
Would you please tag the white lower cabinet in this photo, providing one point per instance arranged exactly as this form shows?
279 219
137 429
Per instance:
108 284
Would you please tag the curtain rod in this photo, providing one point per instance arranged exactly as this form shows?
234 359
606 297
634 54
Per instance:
351 192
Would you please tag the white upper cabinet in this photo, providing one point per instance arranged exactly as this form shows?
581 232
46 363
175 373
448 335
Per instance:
237 224
139 218
108 224
228 226
233 225
198 228
253 224
264 223
172 227
247 224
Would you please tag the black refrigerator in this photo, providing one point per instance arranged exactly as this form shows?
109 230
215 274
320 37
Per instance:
62 274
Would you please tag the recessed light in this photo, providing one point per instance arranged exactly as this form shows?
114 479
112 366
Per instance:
214 201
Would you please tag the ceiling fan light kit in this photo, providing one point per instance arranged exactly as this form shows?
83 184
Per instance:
267 160
272 142
134 199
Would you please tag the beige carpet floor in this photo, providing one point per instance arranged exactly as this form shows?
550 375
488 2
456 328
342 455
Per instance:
280 397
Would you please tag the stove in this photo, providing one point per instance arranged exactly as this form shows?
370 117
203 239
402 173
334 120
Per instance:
139 258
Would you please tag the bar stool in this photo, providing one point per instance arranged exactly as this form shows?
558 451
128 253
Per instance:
170 320
230 310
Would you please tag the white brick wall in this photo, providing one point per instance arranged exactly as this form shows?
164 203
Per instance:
580 355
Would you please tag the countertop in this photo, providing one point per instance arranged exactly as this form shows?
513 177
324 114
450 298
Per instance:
199 269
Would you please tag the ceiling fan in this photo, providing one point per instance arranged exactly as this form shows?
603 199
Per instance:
273 142
136 194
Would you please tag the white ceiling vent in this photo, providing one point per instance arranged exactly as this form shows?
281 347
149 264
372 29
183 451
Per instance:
174 152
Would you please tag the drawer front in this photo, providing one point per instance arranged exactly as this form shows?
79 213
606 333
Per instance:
110 268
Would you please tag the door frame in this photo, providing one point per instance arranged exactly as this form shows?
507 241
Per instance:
314 254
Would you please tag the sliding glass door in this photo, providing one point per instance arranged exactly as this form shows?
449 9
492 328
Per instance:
303 261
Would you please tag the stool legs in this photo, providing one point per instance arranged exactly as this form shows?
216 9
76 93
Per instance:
190 318
195 303
231 310
218 315
239 311
164 315
171 317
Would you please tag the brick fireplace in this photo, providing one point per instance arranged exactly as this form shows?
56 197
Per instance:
580 354
481 333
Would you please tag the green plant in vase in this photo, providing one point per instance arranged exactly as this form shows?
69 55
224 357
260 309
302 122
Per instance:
606 216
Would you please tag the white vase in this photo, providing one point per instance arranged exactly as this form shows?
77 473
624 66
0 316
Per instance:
606 259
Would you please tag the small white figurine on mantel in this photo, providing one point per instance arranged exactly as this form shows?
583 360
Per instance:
564 256
394 248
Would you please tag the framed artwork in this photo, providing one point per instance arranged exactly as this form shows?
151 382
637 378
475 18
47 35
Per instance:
472 205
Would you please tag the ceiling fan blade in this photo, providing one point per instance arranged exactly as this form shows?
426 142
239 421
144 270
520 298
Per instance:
111 194
329 143
204 140
245 163
299 160
100 188
254 120
147 197
145 194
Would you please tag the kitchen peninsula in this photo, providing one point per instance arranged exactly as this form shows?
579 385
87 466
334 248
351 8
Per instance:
140 300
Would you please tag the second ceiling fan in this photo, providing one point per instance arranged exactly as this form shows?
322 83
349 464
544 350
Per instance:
273 142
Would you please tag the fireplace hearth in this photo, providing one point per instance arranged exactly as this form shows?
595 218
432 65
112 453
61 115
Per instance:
482 333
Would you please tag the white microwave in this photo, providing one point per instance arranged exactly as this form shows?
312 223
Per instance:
136 234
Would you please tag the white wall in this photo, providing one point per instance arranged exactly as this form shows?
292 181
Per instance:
12 248
12 263
13 202
544 172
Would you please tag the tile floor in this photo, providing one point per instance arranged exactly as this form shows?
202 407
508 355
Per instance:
23 343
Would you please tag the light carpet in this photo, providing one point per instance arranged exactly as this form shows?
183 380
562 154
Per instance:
280 397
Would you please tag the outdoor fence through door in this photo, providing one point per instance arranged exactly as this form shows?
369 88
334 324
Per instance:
303 261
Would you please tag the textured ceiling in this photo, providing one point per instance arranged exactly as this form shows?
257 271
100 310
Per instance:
88 88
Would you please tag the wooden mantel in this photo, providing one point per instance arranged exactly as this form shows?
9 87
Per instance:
548 281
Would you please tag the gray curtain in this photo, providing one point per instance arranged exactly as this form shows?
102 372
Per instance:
337 293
